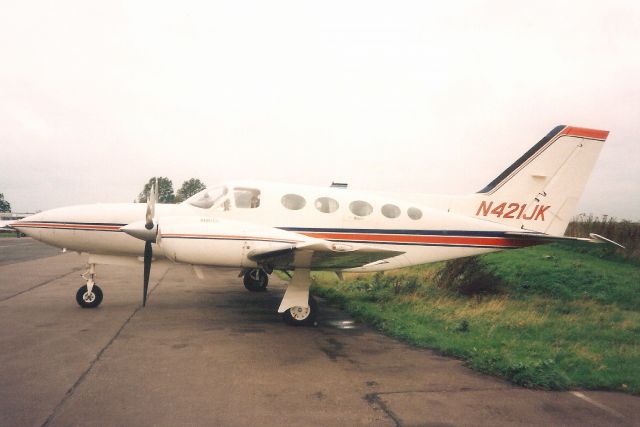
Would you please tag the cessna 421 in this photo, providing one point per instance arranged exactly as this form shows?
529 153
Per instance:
258 227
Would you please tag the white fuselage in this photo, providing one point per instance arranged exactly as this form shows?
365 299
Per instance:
254 215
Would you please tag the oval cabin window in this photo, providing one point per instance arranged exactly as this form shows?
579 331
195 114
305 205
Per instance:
390 211
414 213
293 202
327 204
360 208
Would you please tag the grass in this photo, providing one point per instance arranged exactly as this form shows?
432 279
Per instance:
8 234
556 318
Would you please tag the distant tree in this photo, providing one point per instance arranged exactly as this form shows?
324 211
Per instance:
165 190
4 205
189 188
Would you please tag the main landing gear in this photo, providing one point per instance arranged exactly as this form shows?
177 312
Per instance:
302 316
89 295
298 307
256 280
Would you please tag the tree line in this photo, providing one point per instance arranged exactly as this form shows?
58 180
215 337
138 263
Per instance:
5 206
165 190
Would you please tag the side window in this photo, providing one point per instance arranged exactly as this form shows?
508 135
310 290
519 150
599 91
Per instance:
414 213
390 211
360 208
246 198
293 202
327 204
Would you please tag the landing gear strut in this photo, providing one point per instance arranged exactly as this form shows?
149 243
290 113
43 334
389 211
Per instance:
298 308
89 295
256 280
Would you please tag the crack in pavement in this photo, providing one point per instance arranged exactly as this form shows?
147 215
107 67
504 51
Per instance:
82 376
46 282
374 400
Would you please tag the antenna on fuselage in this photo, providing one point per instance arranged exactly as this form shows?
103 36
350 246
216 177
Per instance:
342 185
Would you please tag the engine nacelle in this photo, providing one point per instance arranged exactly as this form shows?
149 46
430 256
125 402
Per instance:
215 242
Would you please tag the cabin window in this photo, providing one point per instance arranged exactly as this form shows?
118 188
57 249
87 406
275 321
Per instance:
390 211
414 213
246 198
293 201
327 204
360 208
207 198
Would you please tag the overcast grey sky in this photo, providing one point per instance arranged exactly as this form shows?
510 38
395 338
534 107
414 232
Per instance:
434 97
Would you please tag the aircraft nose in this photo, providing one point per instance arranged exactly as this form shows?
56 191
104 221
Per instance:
29 224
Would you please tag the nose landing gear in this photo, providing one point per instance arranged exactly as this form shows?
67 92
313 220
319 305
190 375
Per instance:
89 295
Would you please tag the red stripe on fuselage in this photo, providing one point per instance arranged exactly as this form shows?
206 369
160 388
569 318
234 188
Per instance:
426 240
68 226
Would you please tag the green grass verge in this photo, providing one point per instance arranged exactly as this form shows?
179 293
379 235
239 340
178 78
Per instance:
561 318
8 234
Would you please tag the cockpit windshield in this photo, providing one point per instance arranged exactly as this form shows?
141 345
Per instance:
207 198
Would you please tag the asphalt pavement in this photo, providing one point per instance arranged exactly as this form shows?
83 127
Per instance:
208 352
14 249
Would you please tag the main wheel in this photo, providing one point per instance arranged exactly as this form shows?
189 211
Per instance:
89 300
298 316
256 280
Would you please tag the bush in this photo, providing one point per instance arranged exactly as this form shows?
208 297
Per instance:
467 276
627 233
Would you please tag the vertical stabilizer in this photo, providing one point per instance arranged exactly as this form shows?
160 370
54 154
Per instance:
540 190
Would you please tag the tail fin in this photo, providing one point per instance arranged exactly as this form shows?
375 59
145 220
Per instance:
541 189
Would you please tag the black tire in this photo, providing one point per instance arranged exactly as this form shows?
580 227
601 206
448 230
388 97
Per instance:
294 316
256 280
85 301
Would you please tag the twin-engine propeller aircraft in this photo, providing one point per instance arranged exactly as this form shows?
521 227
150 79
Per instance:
261 227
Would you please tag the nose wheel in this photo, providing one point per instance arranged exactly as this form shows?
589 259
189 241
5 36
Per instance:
89 295
89 299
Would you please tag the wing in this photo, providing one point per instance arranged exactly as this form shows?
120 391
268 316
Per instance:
321 255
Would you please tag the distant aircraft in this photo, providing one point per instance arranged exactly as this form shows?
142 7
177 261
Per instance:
260 227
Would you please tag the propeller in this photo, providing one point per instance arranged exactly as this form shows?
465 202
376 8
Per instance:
148 233
148 251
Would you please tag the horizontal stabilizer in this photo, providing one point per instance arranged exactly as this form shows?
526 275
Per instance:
548 238
596 238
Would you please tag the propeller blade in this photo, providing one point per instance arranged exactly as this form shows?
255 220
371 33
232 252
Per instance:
148 253
151 205
148 218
